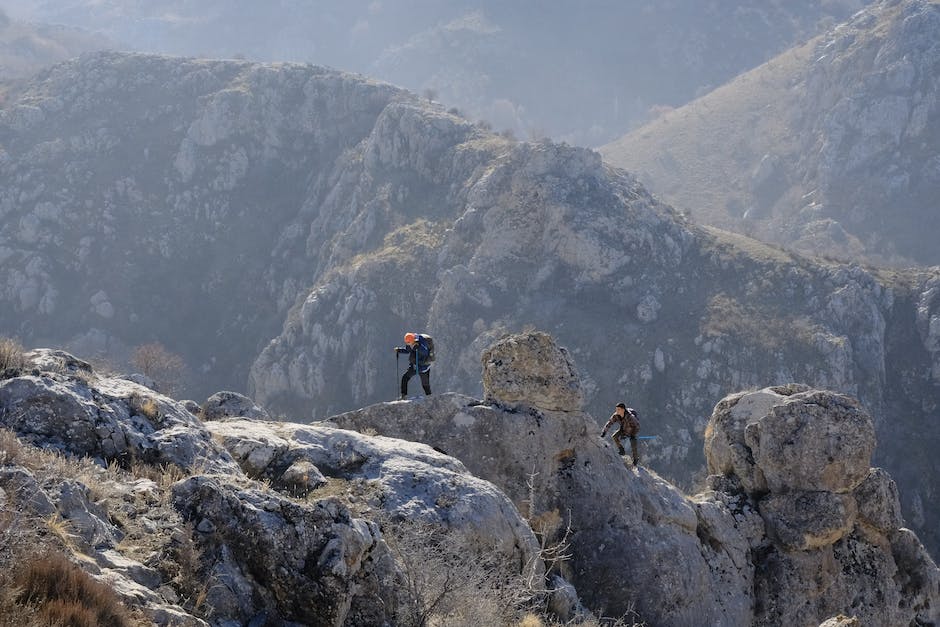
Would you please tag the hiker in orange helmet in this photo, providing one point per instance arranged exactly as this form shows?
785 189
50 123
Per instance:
420 355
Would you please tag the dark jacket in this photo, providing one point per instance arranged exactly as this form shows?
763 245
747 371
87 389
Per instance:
629 422
417 354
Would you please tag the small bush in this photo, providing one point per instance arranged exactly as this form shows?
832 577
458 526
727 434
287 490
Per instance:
164 367
11 355
65 594
144 406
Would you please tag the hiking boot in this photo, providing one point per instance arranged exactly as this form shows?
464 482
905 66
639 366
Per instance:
621 451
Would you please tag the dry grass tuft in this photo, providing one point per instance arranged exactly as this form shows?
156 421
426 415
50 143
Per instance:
64 594
11 355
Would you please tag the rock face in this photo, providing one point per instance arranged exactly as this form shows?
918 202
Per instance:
795 528
309 564
533 369
277 522
843 139
358 211
319 525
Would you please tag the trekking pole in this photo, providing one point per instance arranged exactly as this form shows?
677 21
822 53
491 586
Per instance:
397 376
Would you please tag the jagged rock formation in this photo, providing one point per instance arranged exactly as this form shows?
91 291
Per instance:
359 211
771 542
279 550
829 148
53 404
795 529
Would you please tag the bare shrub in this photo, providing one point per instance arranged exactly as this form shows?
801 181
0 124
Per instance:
11 355
552 532
66 594
10 447
163 366
449 581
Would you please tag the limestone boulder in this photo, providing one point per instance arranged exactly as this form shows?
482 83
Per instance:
227 404
64 405
531 368
791 438
309 563
400 481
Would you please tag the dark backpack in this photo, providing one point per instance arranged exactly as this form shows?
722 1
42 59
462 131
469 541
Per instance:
631 421
428 343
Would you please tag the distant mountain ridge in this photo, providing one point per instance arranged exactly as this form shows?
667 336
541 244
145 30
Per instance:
830 148
27 47
280 227
498 61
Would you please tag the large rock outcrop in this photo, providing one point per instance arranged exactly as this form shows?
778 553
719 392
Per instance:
835 539
794 529
279 226
274 521
55 405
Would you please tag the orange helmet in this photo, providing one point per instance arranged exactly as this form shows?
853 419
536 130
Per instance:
410 338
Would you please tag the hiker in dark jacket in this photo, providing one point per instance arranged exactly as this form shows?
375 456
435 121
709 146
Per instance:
629 423
418 362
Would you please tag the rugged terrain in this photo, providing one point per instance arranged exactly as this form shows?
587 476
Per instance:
300 219
830 148
519 507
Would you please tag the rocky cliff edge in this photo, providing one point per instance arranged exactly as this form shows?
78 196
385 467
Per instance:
338 523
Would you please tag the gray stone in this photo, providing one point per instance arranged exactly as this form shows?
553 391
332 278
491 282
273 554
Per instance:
803 521
878 501
828 440
232 404
531 369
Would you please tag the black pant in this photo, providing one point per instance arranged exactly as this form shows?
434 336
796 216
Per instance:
425 380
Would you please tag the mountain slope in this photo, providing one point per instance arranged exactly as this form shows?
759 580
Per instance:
296 221
829 148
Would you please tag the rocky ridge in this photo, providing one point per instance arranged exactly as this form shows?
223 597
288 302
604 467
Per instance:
794 528
299 219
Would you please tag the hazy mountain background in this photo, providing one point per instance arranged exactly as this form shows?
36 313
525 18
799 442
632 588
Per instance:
580 72
831 148
279 225
28 47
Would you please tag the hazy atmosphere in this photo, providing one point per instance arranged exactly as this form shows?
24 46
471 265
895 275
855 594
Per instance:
313 313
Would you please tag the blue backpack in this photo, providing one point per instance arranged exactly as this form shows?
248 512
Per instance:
427 343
